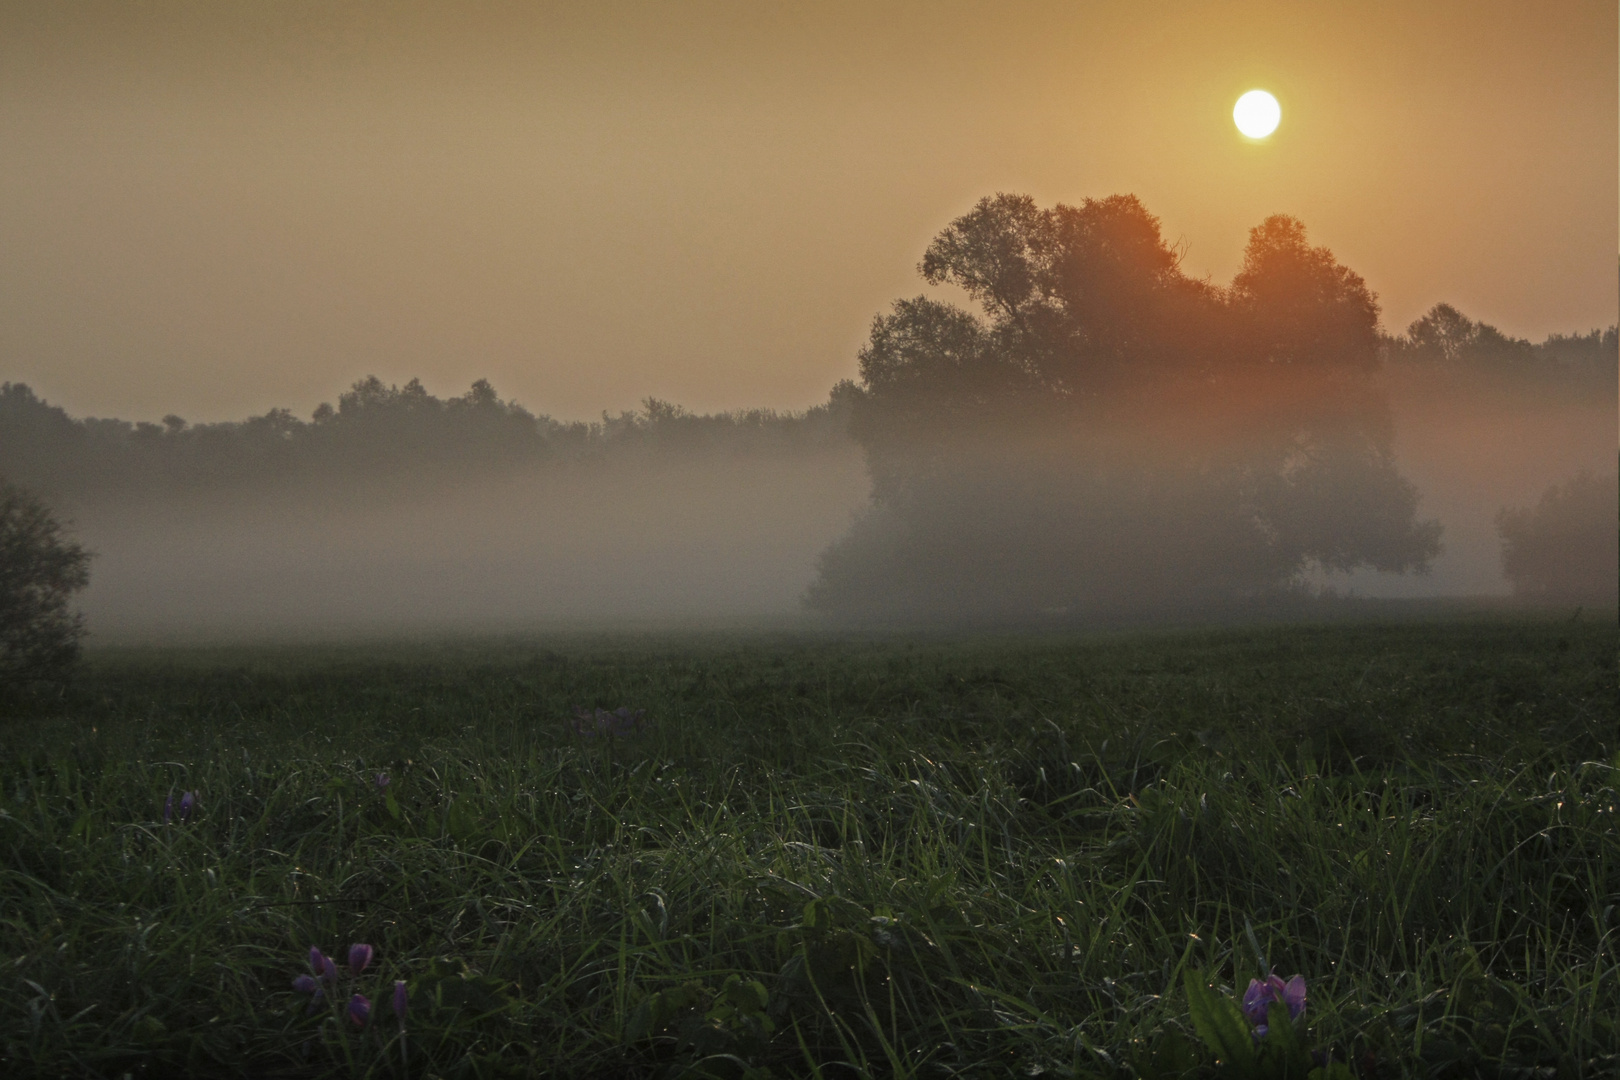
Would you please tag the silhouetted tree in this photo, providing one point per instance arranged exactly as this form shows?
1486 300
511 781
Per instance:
40 569
1108 433
1568 547
1446 335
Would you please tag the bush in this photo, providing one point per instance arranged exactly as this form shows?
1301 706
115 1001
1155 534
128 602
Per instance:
39 570
1568 547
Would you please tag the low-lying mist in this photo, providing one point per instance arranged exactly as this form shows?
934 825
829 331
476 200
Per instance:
398 511
1102 439
586 543
1474 445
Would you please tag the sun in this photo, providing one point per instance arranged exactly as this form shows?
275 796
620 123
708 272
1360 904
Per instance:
1256 114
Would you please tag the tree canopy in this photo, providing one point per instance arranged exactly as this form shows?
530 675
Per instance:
1445 341
1105 431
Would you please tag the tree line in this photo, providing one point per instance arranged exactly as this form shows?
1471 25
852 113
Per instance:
1112 340
1576 365
376 433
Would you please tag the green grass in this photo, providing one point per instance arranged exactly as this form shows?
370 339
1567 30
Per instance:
984 856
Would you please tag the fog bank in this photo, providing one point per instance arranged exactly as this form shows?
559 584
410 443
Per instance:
1473 447
583 544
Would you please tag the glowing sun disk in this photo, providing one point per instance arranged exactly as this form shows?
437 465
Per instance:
1256 114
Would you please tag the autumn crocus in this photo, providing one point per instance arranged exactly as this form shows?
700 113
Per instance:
1258 999
359 957
187 801
322 965
359 1009
618 722
308 984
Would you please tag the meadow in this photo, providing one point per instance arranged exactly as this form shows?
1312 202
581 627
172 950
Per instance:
866 855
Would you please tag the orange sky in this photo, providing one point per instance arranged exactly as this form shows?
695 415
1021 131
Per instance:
215 208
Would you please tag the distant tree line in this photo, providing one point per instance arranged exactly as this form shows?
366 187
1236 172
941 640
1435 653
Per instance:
381 432
1581 365
376 432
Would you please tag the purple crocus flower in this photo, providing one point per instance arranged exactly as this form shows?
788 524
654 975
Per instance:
359 957
1293 996
187 801
168 808
617 722
382 780
1258 998
402 999
323 965
306 984
359 1009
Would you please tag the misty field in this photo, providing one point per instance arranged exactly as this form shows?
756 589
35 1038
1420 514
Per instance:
820 856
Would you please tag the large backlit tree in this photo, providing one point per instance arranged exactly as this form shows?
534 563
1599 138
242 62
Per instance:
1107 433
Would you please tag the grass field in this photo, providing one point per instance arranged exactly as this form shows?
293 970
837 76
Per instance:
851 856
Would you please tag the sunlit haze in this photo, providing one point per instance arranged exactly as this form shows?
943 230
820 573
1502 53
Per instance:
212 209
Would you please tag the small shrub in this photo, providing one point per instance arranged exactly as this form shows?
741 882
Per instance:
40 569
1568 547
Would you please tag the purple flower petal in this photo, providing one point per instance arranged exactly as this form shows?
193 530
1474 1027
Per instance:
359 957
187 801
401 999
1256 1000
317 960
359 1009
306 984
382 780
1293 995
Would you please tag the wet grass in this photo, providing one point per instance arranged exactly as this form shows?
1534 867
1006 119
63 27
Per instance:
876 856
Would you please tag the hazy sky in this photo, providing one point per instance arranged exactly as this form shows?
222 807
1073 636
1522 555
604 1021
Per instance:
214 208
